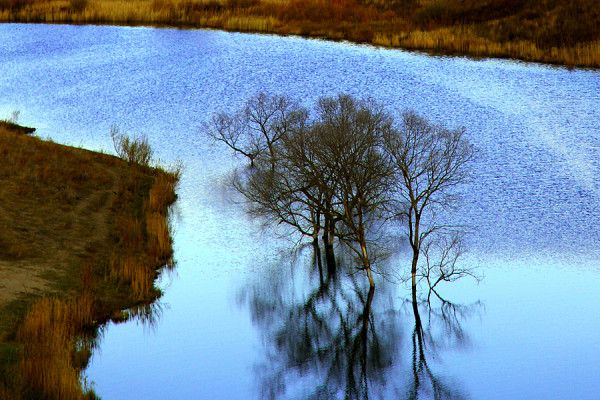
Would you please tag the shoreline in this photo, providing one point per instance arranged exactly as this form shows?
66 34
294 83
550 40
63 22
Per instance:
415 51
375 28
88 236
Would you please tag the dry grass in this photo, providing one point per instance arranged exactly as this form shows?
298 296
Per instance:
85 236
48 333
454 41
551 31
12 126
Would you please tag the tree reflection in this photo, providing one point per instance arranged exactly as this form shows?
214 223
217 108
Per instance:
323 341
443 329
328 336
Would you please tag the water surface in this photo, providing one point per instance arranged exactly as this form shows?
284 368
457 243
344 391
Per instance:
528 330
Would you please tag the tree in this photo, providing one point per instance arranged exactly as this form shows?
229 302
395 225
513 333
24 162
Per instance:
254 130
430 162
348 169
302 157
328 175
353 167
441 261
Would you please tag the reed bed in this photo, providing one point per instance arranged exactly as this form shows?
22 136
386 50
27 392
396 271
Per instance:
462 42
48 334
557 31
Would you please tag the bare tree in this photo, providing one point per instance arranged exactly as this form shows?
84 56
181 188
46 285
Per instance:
231 130
302 155
441 261
254 130
353 166
279 195
331 172
430 163
335 174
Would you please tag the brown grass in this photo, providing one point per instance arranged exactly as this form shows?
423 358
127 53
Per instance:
551 31
11 126
48 334
85 235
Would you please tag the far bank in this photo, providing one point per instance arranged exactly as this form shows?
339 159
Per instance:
554 32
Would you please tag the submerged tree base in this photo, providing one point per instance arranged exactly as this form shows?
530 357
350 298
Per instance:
85 236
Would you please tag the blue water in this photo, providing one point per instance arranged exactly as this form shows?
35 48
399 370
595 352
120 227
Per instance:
529 330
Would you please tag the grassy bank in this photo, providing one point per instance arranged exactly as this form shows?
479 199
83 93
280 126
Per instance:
563 32
84 236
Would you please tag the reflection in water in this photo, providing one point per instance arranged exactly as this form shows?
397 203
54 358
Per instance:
325 342
145 314
327 335
443 330
57 339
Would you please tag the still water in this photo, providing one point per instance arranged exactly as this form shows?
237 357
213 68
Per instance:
242 317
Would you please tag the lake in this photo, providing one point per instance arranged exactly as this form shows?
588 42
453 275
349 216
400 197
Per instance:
237 311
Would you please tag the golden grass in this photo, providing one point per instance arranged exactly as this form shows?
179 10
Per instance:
91 230
545 31
455 41
48 333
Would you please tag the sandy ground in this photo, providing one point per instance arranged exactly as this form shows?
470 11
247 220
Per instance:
18 277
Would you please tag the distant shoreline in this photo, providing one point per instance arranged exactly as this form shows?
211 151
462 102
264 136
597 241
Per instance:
456 32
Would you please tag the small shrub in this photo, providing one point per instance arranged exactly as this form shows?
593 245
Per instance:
134 150
14 117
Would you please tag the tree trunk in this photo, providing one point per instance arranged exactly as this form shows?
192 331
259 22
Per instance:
328 238
370 276
416 248
413 271
367 263
315 217
317 254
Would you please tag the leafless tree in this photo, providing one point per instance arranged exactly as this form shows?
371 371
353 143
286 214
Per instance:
430 163
254 130
335 175
441 256
278 195
301 157
353 166
329 175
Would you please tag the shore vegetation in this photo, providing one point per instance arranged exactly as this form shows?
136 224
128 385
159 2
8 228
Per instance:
84 237
563 32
